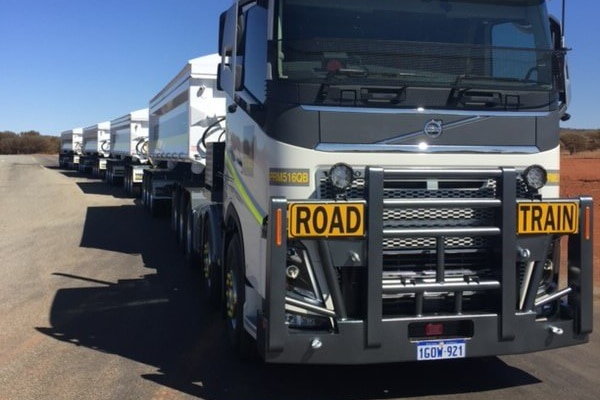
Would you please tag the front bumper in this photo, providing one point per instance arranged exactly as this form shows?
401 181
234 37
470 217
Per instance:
513 328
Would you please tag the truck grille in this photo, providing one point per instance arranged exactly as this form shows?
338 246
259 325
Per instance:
441 236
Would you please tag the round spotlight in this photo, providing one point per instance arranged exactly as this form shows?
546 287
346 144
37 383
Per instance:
341 176
535 176
292 271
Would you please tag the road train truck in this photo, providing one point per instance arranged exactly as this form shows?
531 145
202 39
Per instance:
70 148
95 149
387 185
369 182
128 151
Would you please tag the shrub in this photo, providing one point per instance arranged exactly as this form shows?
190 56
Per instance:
29 142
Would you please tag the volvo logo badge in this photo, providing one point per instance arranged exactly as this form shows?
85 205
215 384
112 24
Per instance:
433 128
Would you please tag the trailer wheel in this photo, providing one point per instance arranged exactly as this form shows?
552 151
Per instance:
235 294
210 271
134 191
126 184
189 235
145 192
183 219
152 204
175 212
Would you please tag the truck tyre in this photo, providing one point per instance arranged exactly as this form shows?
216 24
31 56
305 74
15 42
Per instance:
152 205
188 248
175 212
145 193
126 184
183 219
235 294
210 271
134 190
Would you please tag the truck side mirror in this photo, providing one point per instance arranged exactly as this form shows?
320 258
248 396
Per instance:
230 73
561 68
227 44
221 29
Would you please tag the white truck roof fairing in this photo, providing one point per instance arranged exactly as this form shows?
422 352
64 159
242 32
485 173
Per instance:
71 140
128 133
184 109
96 139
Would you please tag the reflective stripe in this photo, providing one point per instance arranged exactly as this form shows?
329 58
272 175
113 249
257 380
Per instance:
254 209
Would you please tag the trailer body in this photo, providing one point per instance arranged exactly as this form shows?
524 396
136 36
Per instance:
186 109
95 148
70 148
128 150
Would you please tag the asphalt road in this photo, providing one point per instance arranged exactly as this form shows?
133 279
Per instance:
96 303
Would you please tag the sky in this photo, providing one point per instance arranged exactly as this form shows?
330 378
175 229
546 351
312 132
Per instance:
75 63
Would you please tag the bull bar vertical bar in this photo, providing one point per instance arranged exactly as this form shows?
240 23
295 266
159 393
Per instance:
508 197
580 268
374 257
274 309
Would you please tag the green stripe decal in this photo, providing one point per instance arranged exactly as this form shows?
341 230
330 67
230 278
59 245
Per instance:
241 189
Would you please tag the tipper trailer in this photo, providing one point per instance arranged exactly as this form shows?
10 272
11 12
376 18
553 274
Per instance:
95 149
387 188
184 115
70 148
128 151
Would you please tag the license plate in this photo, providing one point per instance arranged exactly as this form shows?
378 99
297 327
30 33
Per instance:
314 220
536 217
441 349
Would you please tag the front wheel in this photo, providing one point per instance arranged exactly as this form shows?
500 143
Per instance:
235 295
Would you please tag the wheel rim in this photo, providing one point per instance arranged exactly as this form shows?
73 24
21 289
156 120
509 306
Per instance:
231 298
206 261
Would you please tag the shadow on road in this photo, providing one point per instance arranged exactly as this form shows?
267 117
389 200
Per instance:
101 188
162 320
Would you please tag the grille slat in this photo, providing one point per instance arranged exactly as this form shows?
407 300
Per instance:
455 212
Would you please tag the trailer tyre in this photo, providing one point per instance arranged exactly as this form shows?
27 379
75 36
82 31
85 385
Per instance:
152 205
235 293
210 271
190 254
175 213
145 193
183 220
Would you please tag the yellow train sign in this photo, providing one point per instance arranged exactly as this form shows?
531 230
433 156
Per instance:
549 218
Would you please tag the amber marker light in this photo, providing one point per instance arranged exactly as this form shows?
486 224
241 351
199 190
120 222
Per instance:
587 224
278 218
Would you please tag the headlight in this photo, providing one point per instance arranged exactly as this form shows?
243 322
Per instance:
341 176
535 177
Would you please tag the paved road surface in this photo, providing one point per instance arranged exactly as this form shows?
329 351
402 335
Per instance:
96 303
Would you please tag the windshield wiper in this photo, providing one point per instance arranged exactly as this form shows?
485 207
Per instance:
493 79
352 72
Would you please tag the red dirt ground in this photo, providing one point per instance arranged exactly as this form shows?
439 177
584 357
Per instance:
580 175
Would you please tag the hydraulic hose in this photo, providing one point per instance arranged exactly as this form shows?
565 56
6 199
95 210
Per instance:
210 129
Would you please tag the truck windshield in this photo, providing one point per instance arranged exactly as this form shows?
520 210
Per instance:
497 44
